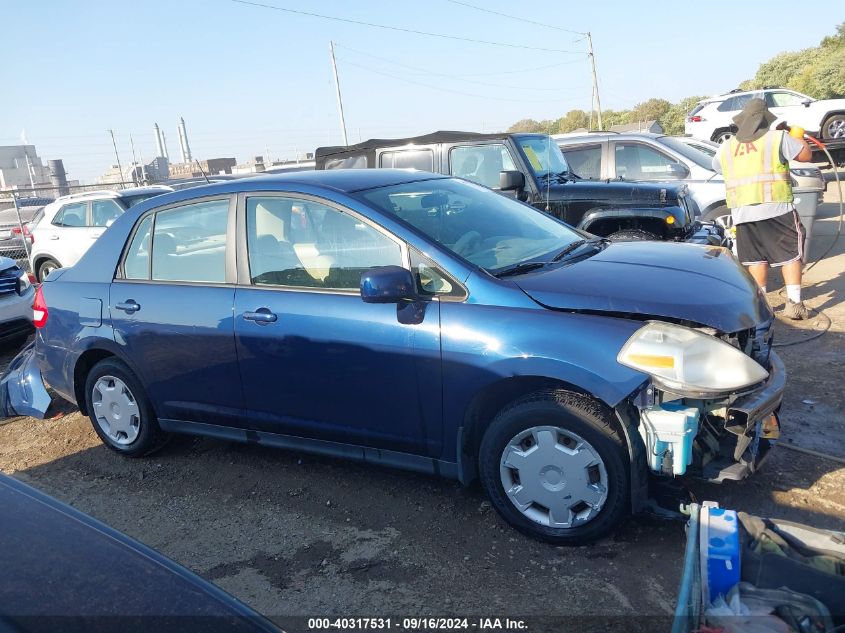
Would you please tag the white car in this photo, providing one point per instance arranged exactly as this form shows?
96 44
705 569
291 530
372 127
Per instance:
643 156
71 224
712 119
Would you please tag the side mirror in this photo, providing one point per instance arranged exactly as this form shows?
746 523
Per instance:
806 103
511 180
388 284
679 171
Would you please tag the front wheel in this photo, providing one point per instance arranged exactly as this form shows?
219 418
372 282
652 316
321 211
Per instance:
554 467
120 410
834 127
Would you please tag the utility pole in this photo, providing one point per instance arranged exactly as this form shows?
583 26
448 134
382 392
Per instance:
339 100
134 159
117 156
595 78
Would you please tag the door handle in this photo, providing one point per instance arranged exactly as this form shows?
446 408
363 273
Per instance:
262 316
54 237
96 236
130 306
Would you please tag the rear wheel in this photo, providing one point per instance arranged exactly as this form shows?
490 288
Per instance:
720 136
46 267
554 467
632 235
716 212
834 127
120 410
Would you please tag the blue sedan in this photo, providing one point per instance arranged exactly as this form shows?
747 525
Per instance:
418 321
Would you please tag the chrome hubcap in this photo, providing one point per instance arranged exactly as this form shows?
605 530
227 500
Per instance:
836 129
553 476
724 137
116 410
48 269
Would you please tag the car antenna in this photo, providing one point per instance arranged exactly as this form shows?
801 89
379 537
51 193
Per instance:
201 171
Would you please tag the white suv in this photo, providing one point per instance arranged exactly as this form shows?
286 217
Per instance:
70 225
712 119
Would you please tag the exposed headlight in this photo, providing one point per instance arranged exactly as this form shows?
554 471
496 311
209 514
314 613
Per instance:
23 284
683 360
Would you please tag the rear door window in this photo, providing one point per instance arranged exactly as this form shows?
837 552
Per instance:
635 161
585 161
72 215
422 159
104 212
189 243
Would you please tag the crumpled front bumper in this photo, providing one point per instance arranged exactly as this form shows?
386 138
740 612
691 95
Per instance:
744 443
22 390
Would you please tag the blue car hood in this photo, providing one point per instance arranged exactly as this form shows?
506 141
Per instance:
659 280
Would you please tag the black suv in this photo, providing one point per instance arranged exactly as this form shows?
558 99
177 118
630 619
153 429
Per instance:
531 168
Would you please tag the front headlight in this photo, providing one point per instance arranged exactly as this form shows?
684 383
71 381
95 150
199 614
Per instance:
683 360
23 284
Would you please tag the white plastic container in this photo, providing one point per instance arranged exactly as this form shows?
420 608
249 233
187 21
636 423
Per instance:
668 432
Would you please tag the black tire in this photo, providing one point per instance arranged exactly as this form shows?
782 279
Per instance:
722 134
837 120
569 412
712 214
632 235
45 266
150 437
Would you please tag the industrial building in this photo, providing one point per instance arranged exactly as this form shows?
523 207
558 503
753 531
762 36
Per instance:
21 167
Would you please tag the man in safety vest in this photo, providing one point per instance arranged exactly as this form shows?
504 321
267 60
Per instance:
755 164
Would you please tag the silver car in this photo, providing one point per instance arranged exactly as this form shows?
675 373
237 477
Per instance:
662 158
16 297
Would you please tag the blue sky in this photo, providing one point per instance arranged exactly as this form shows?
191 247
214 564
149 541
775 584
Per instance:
249 80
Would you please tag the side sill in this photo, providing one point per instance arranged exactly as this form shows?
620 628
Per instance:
394 459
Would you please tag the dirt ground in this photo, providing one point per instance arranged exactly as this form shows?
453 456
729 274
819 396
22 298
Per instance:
295 535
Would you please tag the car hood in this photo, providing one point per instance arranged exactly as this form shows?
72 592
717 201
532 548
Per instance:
631 193
654 280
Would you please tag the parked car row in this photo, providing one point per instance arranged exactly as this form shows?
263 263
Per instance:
416 320
648 157
531 168
712 119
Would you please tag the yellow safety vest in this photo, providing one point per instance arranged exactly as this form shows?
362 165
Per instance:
754 173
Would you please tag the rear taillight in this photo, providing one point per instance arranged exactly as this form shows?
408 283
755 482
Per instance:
694 119
39 309
26 233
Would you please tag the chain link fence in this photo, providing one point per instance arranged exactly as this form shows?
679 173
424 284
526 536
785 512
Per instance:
21 209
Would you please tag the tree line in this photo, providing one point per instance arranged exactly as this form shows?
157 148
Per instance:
818 71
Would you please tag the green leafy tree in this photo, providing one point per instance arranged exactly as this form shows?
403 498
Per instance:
525 125
674 118
650 110
573 120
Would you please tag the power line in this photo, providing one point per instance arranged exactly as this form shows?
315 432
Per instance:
404 30
466 94
515 17
436 74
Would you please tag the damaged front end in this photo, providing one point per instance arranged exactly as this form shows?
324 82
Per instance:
711 407
22 391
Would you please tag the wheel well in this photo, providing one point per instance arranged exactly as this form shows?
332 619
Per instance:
80 372
832 113
493 398
718 131
607 226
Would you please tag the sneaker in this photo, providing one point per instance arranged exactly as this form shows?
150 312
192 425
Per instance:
796 311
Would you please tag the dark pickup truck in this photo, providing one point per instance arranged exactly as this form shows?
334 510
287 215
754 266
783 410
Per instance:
531 168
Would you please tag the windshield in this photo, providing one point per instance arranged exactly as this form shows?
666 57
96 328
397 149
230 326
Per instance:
695 153
543 155
484 227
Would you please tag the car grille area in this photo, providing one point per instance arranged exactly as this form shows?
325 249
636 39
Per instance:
9 280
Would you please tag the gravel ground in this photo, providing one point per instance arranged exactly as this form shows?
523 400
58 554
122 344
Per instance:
295 535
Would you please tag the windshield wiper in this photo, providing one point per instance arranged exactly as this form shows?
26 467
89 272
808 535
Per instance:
517 269
576 244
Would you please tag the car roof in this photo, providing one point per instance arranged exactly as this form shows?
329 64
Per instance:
112 193
601 135
340 180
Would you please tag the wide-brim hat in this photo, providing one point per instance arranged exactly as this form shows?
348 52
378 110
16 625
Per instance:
754 121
